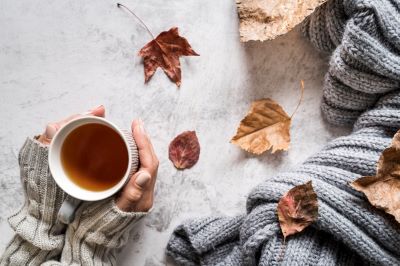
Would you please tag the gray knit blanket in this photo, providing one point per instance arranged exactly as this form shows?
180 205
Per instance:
361 86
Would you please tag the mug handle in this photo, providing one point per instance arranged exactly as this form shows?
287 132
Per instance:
66 214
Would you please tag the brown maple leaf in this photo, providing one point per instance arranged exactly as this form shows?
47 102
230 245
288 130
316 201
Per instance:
164 51
184 150
265 126
297 209
383 189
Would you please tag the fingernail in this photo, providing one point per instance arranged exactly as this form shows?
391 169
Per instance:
141 126
142 179
50 131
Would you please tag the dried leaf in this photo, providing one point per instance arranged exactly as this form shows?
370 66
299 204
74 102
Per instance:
383 189
184 150
266 125
164 51
297 209
262 20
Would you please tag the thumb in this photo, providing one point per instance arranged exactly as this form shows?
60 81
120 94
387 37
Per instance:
133 191
141 179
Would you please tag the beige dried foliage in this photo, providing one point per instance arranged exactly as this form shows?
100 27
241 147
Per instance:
266 126
262 20
383 189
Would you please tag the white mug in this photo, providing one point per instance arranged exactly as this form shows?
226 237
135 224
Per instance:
77 193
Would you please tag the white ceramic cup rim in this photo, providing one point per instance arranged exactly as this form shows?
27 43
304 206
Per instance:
57 170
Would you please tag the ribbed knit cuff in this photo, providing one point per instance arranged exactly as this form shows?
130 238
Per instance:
98 230
36 220
33 154
103 223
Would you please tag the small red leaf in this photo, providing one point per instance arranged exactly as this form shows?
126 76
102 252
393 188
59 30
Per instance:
184 150
297 209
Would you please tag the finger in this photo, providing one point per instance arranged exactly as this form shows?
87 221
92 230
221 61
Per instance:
133 191
143 144
52 128
99 111
69 118
141 179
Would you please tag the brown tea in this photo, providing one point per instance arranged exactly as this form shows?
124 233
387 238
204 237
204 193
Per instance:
94 157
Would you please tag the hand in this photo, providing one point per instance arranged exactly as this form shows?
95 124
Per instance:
42 194
52 128
138 193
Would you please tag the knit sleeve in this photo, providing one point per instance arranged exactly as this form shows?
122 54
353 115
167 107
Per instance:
98 231
39 237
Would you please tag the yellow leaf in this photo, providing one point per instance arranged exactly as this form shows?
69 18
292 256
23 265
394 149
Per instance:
265 126
383 189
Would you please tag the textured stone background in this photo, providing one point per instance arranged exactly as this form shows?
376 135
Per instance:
62 57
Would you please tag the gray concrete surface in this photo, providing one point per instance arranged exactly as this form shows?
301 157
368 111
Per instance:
63 57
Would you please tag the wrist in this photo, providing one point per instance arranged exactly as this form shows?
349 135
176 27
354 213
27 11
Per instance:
133 203
126 205
98 222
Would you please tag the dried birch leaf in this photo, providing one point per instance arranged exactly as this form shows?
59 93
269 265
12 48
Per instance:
297 209
184 150
265 126
262 20
383 189
164 51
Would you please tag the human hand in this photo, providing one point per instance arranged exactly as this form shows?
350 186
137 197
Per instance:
138 194
43 195
52 128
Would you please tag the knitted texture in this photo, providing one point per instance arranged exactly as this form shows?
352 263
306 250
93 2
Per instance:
96 234
349 231
365 63
38 234
98 231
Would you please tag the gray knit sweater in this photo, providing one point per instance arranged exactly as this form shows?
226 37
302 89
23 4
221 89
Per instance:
98 230
364 67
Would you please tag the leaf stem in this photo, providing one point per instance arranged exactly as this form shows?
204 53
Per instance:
301 98
141 21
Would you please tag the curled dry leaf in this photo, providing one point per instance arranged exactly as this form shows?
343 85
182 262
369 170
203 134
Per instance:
297 209
164 51
265 20
265 126
184 150
383 189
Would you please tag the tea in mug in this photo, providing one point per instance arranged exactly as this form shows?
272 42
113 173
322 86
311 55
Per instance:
94 156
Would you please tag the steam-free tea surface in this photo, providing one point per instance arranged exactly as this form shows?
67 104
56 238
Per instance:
94 157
